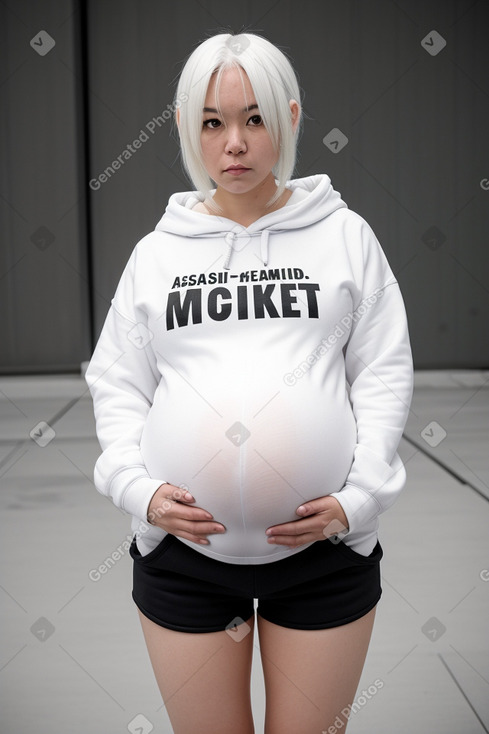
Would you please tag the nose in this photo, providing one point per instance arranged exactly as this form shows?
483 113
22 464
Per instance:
235 141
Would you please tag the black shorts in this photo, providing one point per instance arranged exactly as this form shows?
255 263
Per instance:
325 585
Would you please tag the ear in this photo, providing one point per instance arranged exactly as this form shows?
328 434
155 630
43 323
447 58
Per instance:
295 112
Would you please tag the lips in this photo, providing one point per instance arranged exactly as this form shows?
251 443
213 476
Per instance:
237 170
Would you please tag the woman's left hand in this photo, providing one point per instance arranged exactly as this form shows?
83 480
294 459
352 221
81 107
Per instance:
321 518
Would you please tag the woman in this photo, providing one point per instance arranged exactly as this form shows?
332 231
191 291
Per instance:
251 385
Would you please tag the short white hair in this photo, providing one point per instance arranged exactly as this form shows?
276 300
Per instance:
274 83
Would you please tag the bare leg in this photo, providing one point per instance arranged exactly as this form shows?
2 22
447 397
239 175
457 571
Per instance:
204 679
311 675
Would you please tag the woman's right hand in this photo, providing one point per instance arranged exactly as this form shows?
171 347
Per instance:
170 510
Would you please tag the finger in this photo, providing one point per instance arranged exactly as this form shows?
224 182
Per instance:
296 527
280 530
293 541
200 529
312 507
304 510
171 507
192 514
180 494
197 534
177 525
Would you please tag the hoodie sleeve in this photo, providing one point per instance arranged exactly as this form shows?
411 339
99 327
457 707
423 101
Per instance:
122 377
379 372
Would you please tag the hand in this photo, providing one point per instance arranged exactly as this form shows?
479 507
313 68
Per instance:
322 518
169 509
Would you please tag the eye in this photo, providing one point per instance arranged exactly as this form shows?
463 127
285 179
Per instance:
211 124
256 120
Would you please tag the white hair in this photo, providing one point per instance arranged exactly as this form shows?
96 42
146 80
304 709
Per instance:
274 83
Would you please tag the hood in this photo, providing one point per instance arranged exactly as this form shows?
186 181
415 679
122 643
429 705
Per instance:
317 200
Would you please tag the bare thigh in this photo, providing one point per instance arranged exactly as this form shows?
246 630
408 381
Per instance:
204 679
311 675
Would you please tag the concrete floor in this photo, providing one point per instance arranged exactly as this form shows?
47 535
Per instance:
73 658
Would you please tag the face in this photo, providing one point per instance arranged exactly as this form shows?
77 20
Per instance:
237 138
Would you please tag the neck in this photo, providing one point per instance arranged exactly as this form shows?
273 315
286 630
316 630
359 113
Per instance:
247 208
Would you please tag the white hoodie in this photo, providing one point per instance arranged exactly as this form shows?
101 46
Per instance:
260 367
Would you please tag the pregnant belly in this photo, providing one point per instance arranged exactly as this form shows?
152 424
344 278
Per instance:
250 470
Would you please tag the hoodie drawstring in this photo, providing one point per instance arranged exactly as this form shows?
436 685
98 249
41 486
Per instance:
264 246
230 239
227 260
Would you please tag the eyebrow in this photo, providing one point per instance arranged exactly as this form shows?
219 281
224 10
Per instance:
245 109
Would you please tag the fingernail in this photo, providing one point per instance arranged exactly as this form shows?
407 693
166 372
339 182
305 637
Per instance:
301 509
269 532
188 497
209 516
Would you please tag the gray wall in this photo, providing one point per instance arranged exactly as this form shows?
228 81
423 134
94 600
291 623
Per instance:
417 153
44 288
